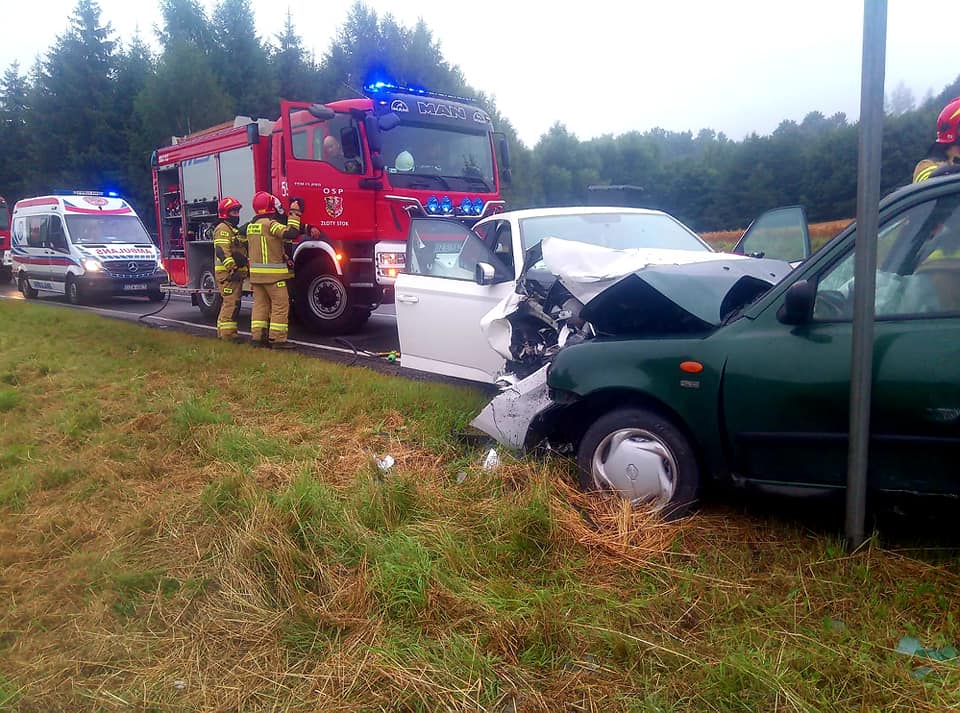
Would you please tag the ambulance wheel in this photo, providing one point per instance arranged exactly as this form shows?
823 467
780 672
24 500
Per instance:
323 303
24 287
209 299
75 294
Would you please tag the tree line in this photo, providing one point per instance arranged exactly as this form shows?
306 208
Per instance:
91 109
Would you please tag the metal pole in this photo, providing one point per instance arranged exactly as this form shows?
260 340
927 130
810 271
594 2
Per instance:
865 262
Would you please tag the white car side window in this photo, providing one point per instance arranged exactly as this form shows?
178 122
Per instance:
441 249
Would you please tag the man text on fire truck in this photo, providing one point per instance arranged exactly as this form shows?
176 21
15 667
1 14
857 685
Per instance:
230 253
269 269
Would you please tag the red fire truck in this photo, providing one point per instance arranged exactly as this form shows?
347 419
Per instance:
6 260
363 166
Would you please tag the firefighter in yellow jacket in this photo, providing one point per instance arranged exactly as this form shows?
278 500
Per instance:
944 153
230 265
269 269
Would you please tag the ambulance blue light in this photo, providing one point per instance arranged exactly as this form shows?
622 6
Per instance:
113 194
433 205
478 206
446 205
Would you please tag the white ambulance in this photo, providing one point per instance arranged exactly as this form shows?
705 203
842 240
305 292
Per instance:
83 245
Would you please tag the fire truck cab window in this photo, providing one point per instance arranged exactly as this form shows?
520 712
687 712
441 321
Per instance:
314 140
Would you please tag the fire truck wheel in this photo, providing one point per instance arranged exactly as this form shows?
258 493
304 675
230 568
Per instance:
323 303
24 286
209 298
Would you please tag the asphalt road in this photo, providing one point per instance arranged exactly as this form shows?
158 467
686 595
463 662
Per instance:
378 335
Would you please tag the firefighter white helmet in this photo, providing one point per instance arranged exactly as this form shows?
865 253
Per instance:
404 161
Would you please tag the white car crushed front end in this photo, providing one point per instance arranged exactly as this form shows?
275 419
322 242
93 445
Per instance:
532 324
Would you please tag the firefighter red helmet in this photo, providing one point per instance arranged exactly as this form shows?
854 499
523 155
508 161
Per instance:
948 123
226 205
266 204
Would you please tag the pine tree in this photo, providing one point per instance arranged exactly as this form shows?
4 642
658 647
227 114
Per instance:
185 21
182 97
241 60
14 132
75 102
134 69
294 71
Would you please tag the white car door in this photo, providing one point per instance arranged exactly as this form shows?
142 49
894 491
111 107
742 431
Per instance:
439 302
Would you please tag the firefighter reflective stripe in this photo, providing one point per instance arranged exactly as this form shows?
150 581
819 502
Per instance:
278 328
268 261
925 174
229 326
924 169
279 230
269 268
259 324
943 259
224 237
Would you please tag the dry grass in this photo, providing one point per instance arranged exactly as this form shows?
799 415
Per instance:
820 233
179 540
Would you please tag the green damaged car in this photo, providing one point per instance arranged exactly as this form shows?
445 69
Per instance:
750 382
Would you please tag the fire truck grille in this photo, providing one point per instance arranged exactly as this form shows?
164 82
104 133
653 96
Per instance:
130 268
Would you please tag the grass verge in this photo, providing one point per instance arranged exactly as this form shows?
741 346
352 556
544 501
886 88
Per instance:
188 525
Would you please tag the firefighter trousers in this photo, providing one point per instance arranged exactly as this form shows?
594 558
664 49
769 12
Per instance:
230 308
271 306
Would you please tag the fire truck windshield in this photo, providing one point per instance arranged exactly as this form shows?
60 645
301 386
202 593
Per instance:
418 156
106 229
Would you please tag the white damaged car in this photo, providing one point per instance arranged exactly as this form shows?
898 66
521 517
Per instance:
493 302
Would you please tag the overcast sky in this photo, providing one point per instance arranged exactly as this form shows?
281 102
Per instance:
608 66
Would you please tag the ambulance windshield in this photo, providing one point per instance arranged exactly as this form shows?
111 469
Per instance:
106 229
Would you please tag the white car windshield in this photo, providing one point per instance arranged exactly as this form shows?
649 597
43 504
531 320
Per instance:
106 229
619 231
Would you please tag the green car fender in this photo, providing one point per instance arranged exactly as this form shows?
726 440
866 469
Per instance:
680 378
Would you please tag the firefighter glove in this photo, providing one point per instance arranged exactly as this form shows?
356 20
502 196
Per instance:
240 259
236 276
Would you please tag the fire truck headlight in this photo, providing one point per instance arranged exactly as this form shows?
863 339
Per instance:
91 265
391 260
